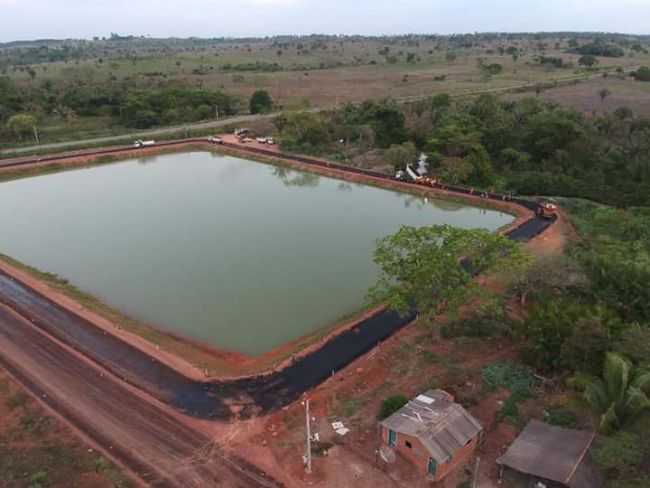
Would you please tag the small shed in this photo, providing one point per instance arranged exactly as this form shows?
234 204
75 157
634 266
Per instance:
433 432
548 456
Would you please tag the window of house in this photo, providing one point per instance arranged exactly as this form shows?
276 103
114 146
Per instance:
408 444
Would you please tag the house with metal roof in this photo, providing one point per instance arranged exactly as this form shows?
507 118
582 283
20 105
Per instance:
547 456
433 432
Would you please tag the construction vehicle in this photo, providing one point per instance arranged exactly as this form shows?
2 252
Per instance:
141 143
547 210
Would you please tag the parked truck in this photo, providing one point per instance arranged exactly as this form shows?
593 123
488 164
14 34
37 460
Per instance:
141 143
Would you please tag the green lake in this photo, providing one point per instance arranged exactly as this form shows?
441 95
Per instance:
241 255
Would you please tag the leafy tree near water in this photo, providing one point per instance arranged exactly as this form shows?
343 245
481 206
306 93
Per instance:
401 155
21 125
430 267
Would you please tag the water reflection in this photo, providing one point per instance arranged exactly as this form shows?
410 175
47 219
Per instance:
290 178
343 186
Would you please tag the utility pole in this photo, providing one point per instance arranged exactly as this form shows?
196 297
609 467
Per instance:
308 424
476 473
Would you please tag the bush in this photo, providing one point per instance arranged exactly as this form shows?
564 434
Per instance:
515 377
619 455
642 74
392 405
561 417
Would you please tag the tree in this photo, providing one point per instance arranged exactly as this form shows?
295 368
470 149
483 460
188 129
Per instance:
482 171
642 74
427 268
603 94
619 455
455 171
303 132
399 155
634 344
620 395
440 105
549 276
21 125
261 102
553 333
588 60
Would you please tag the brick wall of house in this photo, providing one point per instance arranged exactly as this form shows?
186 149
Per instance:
461 457
418 455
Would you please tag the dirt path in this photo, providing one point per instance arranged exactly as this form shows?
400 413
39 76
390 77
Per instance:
241 119
134 432
206 399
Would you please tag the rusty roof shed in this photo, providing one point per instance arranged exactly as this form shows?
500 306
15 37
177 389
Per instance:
554 454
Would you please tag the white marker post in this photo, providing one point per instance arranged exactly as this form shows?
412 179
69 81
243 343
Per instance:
308 469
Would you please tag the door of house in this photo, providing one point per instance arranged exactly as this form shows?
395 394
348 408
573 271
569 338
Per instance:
392 438
433 467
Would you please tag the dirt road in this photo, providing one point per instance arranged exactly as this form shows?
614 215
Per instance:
136 433
240 119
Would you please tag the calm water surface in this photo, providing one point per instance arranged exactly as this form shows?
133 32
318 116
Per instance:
242 255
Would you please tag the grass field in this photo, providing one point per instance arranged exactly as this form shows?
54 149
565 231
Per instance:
585 97
324 78
307 72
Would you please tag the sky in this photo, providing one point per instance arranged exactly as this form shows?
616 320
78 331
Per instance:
37 19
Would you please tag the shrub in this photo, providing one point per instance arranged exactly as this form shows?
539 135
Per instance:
392 405
561 417
515 377
620 454
642 74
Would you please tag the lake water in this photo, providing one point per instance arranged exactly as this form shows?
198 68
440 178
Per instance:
242 255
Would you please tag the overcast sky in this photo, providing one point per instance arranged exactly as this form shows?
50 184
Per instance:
31 19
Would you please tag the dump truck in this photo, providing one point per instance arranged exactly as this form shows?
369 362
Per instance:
547 210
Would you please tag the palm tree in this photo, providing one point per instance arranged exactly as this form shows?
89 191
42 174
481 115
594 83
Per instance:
620 395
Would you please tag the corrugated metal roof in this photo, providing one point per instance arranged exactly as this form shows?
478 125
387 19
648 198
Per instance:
553 453
441 425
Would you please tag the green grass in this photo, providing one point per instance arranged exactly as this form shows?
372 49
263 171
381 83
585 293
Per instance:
322 77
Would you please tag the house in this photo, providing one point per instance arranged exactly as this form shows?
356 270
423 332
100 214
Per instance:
433 432
546 456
